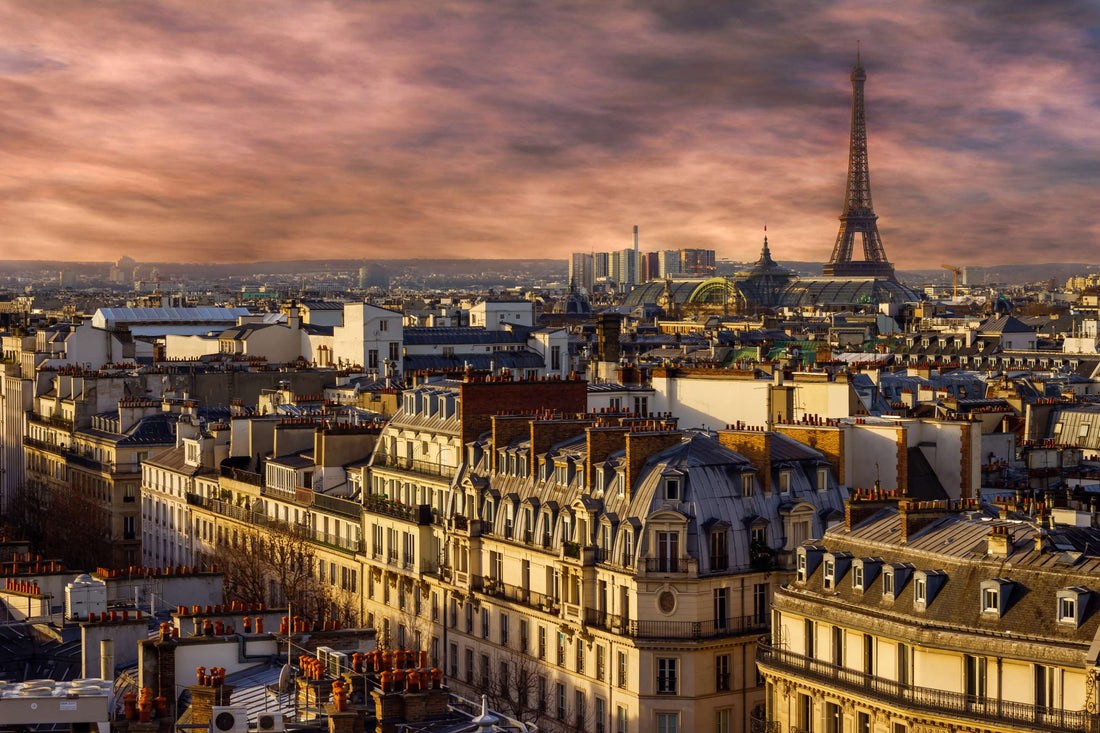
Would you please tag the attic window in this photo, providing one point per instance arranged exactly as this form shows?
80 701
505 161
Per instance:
620 483
857 577
1067 610
830 573
1057 428
888 584
802 567
822 479
920 590
1084 431
746 484
672 489
1071 605
785 481
991 600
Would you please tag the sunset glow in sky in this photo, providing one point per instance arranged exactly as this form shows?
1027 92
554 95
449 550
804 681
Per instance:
231 131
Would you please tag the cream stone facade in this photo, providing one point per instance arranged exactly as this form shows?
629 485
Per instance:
935 616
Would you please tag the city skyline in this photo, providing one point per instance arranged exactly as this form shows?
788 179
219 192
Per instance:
195 133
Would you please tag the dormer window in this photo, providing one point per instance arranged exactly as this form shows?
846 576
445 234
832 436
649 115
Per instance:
785 481
926 584
857 577
1071 605
822 479
620 483
888 584
672 488
488 511
829 573
746 484
920 590
802 568
994 597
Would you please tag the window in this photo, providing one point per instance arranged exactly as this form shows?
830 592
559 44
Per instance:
990 600
560 688
620 717
920 590
601 715
868 654
542 694
561 649
863 723
470 666
628 548
804 712
857 577
974 682
722 673
641 405
722 721
719 550
601 665
578 653
666 676
668 723
580 707
542 642
485 623
760 603
504 629
746 484
721 608
621 670
809 634
887 584
672 489
905 664
829 573
668 552
802 567
838 645
822 479
1067 609
1048 692
834 722
484 671
785 481
454 660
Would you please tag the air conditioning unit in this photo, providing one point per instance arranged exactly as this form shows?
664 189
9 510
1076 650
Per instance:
335 662
270 723
226 719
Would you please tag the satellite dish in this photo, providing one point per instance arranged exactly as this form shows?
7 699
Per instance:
284 678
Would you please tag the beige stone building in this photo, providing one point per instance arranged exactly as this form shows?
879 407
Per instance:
913 617
594 572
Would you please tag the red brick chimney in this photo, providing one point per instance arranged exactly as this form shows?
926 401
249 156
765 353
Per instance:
642 446
601 443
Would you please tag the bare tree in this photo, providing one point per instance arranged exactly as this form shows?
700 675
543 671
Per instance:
64 524
274 565
513 686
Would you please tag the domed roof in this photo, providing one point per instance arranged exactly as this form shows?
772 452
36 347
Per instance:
845 291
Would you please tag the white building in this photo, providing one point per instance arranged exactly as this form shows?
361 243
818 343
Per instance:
370 337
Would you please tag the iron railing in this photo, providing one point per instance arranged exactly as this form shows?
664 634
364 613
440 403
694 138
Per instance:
245 477
657 629
936 702
414 465
337 505
759 723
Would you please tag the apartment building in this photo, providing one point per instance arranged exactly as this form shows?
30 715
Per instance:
601 572
927 616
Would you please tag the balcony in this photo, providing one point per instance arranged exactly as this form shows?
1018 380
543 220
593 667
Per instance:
43 445
245 477
645 629
759 723
516 594
337 505
667 564
53 420
379 504
412 465
942 703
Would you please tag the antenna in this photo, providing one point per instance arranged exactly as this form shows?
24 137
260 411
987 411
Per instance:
857 52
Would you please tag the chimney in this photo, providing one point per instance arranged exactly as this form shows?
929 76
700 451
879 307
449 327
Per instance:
916 515
756 445
507 428
858 509
999 542
107 659
547 433
640 447
601 443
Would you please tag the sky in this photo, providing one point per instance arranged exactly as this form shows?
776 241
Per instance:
289 129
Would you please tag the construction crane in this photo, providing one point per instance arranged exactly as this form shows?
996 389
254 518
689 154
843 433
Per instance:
954 280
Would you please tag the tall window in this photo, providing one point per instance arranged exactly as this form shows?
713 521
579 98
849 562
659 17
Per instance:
810 631
668 551
722 673
974 676
760 603
620 717
722 721
719 550
668 723
721 608
666 675
601 716
868 654
628 548
838 645
621 670
905 664
560 689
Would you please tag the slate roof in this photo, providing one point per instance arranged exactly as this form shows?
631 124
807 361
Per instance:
421 335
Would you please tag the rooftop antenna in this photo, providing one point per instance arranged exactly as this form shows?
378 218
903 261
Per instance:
857 52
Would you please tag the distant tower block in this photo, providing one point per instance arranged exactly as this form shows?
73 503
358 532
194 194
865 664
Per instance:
859 215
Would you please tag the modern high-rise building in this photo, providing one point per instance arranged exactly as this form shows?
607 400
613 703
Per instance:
582 271
697 262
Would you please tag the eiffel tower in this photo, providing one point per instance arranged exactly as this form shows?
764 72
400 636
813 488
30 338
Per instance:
859 215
